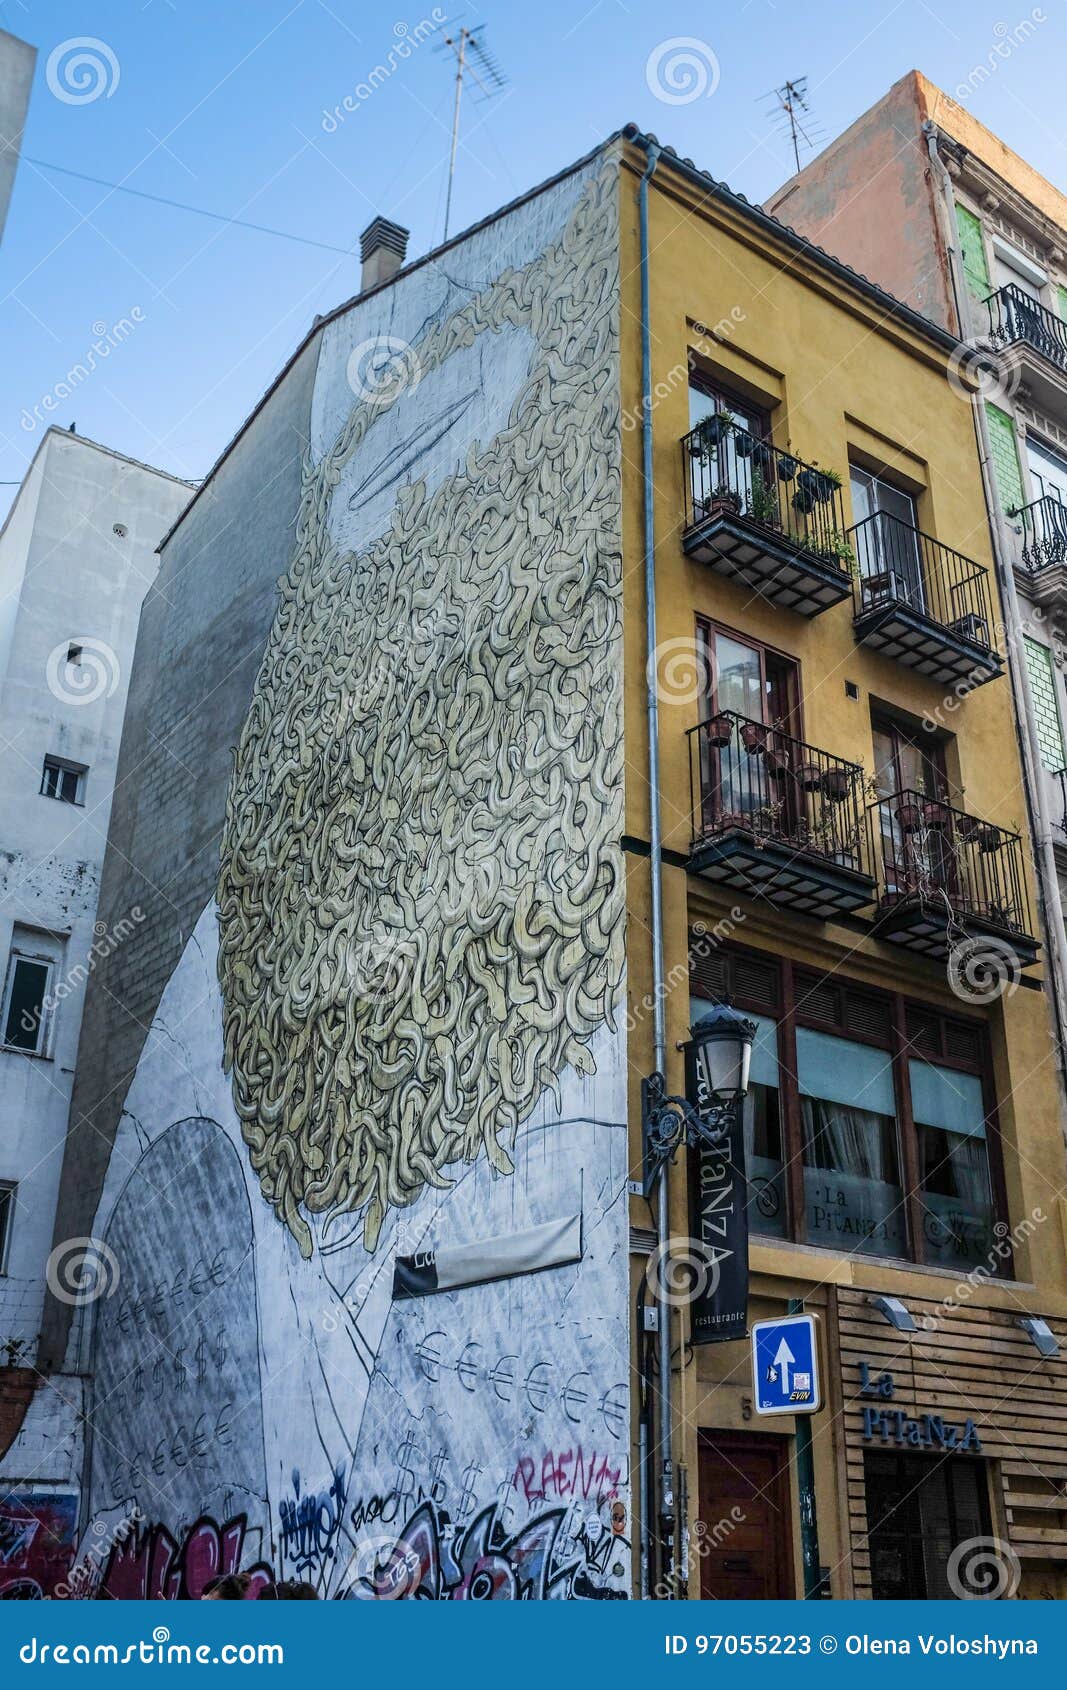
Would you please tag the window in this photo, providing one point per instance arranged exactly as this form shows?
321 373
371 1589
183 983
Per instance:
853 1195
869 1124
918 1511
62 780
29 980
7 1216
887 541
955 1189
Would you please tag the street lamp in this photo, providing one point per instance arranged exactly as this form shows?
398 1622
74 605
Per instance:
720 1049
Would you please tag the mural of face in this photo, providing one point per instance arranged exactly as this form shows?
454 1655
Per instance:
421 892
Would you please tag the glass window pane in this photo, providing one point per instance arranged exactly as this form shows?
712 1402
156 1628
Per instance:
955 1190
28 987
853 1193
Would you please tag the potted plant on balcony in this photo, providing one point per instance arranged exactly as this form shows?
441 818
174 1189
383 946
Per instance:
787 465
711 432
821 484
724 500
839 549
990 839
936 813
719 730
836 784
909 816
754 737
776 760
968 828
745 442
763 501
809 777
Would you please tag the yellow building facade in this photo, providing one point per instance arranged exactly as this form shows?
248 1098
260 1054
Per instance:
845 859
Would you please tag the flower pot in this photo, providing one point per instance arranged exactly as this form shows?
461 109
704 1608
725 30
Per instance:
787 468
719 731
988 839
754 738
809 777
936 814
744 443
724 503
803 501
969 828
909 818
763 461
836 784
820 486
713 430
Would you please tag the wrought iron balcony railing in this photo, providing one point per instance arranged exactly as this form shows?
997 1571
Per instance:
898 567
761 781
1042 529
961 868
1014 318
730 471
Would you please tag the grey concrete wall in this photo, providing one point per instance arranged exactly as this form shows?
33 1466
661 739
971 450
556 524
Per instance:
17 59
203 629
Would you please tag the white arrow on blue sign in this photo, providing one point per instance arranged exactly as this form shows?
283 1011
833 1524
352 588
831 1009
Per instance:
785 1365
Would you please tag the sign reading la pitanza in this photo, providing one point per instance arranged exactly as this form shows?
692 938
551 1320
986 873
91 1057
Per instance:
719 1223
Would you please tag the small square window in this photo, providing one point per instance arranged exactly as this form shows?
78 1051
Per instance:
62 780
7 1216
26 1003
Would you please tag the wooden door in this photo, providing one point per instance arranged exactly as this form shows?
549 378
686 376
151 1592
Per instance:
746 1511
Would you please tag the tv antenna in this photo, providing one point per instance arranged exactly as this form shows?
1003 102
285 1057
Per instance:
475 62
792 100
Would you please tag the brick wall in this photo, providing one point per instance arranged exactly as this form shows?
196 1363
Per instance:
1005 458
972 252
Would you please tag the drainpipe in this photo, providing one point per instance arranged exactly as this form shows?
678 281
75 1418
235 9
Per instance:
659 1022
1047 879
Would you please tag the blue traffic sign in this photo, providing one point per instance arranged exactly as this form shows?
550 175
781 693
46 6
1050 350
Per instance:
785 1365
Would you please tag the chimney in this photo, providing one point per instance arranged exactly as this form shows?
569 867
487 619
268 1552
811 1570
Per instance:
382 248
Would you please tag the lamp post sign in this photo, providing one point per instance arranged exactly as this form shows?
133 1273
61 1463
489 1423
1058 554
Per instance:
718 1216
785 1365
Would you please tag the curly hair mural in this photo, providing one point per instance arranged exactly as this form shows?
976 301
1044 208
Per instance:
421 891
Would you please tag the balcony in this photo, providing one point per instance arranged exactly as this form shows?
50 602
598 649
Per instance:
922 604
764 519
1041 549
777 819
945 877
1032 343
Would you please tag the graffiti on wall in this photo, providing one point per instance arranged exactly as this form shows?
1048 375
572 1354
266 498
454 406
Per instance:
401 1016
37 1531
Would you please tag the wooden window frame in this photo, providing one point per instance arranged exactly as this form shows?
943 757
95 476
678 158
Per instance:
788 1015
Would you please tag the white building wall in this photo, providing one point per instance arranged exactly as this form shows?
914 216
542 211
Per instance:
76 557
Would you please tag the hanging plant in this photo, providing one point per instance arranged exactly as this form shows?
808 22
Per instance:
809 776
936 813
744 443
836 784
714 430
909 818
969 828
804 501
822 484
719 730
989 839
787 466
754 738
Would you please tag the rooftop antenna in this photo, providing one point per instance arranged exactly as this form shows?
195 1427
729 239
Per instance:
476 62
792 98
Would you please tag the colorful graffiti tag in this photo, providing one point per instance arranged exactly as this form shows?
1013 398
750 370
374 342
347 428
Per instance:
37 1530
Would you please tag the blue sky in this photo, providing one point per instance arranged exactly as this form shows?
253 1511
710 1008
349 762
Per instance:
222 106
